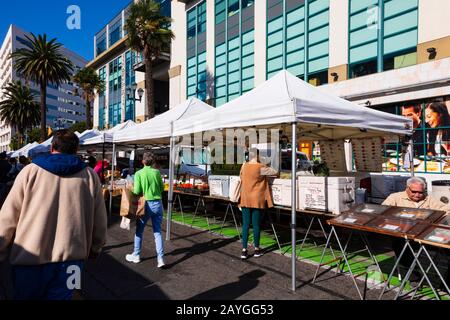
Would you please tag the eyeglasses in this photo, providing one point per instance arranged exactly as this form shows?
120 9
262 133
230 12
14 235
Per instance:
416 192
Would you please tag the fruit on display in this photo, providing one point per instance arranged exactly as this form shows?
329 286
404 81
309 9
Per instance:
203 186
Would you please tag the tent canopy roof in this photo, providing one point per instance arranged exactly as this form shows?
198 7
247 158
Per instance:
158 130
24 151
93 137
286 99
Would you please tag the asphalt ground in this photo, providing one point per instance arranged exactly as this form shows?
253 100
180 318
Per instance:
206 266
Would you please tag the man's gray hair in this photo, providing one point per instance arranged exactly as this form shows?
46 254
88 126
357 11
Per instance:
416 180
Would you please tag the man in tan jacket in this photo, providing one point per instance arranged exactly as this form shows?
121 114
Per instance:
52 221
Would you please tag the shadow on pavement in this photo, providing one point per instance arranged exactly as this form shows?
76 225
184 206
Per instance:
106 279
198 249
234 290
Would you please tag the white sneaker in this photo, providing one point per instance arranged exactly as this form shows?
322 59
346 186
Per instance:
161 263
133 258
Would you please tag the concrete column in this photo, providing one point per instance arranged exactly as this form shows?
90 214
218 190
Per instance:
178 59
339 15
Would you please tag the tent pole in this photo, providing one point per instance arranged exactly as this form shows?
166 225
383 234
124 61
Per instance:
112 178
170 195
294 206
411 155
103 164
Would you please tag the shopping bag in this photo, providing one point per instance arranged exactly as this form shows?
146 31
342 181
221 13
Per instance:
125 224
235 190
131 206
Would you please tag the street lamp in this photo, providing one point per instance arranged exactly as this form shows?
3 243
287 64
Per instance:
131 93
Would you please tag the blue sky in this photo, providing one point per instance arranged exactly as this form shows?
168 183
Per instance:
49 16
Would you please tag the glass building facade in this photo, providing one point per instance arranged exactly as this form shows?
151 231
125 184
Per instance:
114 31
130 79
391 44
115 92
234 49
102 101
120 65
196 52
292 26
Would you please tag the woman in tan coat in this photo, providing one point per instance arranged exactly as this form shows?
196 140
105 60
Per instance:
255 194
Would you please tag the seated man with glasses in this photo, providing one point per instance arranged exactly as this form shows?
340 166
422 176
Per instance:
415 196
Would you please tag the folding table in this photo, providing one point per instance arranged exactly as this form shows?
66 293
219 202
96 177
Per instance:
355 224
437 237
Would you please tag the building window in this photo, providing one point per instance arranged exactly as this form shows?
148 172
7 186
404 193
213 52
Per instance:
292 25
102 101
115 32
318 79
115 92
23 41
363 69
397 38
233 7
130 60
101 45
234 54
196 52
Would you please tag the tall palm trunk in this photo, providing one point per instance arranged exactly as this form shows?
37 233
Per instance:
43 110
20 137
88 114
149 85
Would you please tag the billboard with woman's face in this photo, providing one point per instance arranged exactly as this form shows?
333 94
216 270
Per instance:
431 119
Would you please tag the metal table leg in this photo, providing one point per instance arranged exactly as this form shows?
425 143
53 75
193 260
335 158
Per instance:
325 236
224 219
196 211
371 253
322 256
235 221
391 274
411 269
436 269
436 256
230 208
343 251
348 264
177 197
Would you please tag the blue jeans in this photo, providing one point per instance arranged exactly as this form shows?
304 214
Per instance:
52 281
153 210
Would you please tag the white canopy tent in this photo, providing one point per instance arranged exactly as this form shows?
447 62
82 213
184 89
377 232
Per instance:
88 134
44 147
158 130
24 151
287 100
106 136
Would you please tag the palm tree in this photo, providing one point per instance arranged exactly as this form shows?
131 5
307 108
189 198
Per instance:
19 108
42 62
89 81
148 33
